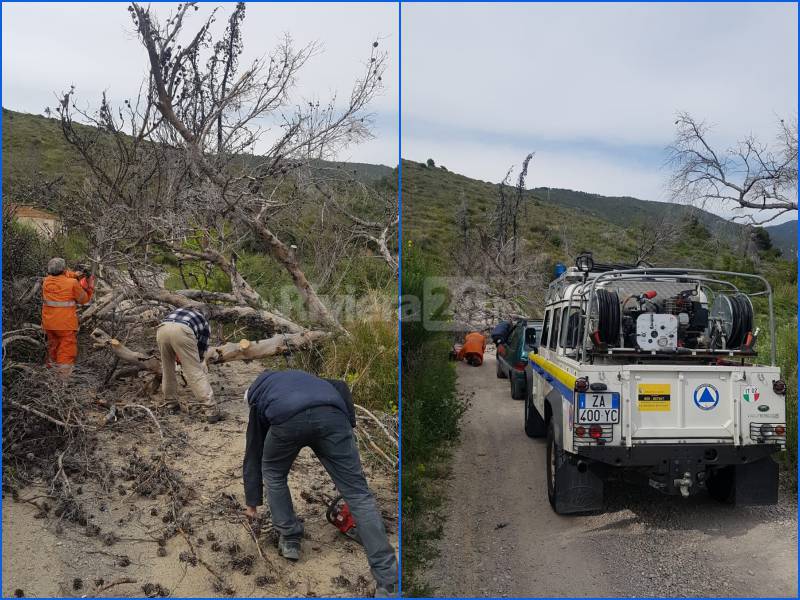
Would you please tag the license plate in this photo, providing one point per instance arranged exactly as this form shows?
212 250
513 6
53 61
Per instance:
602 407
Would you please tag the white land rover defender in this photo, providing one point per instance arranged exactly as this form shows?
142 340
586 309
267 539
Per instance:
654 369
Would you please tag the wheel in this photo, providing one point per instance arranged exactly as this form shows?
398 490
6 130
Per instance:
518 386
499 368
534 423
555 458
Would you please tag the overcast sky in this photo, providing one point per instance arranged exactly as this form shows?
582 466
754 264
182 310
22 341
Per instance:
49 46
593 89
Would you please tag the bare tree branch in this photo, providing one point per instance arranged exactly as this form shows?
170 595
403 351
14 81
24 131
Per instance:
752 176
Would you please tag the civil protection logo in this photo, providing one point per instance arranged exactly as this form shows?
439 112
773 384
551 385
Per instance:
706 396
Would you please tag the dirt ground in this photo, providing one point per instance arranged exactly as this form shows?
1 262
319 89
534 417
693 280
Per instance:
501 537
120 542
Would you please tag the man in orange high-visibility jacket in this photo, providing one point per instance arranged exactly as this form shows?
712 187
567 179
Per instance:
62 291
472 350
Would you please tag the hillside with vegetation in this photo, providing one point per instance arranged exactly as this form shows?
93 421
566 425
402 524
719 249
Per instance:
559 218
34 145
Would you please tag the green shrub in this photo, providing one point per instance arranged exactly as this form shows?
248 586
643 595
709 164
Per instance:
25 256
787 360
367 361
431 415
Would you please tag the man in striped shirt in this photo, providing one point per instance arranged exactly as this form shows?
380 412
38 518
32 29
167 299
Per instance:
183 335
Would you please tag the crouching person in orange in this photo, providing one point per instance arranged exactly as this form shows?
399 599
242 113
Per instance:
472 350
62 291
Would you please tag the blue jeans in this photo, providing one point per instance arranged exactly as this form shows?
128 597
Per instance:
327 431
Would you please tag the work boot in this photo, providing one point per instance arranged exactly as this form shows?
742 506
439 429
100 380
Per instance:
289 548
387 591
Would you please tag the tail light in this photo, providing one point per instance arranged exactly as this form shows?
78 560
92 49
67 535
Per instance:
520 366
779 387
591 435
768 433
581 384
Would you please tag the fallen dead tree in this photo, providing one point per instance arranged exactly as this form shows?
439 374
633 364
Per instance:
243 350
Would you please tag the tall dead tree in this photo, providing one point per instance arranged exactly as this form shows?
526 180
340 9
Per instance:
518 204
751 176
211 108
502 211
200 114
491 250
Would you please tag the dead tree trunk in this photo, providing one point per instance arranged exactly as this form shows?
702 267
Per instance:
242 350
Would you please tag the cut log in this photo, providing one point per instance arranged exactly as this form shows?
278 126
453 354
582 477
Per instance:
278 344
125 354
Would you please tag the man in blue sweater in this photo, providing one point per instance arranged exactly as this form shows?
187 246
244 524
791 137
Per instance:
288 411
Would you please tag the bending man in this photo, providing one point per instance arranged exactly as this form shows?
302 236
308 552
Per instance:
183 336
288 411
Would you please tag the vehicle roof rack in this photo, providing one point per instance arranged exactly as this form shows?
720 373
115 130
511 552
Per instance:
585 263
605 267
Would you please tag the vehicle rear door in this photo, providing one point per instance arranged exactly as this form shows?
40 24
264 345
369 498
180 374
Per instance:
679 402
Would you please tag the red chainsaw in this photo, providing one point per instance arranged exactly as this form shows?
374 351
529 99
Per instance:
339 515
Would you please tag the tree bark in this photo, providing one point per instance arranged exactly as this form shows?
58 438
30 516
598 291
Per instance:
279 344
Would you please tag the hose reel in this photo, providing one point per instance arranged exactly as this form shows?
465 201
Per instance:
607 309
733 315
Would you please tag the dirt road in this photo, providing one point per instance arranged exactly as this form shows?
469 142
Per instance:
501 537
122 542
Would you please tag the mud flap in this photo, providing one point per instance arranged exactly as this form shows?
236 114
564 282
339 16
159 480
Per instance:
756 483
576 491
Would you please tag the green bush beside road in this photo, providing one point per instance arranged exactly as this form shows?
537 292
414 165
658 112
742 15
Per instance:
431 413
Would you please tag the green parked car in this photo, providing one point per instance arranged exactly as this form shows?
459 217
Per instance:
512 354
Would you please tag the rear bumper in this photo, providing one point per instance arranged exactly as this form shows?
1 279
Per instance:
653 455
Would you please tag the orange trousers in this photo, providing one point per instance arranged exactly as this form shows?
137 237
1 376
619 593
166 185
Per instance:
62 347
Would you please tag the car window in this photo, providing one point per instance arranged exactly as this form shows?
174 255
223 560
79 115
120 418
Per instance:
556 328
545 326
573 334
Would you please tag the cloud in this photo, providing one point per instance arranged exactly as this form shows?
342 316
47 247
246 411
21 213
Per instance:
558 169
596 70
